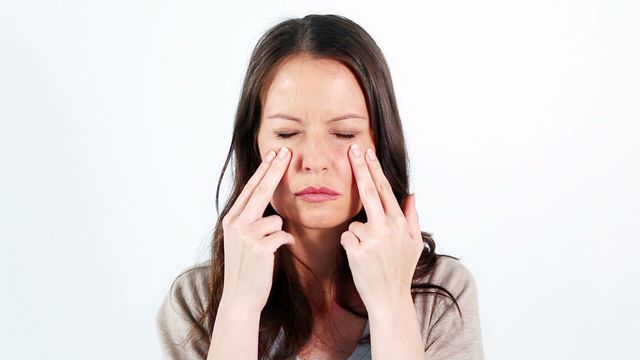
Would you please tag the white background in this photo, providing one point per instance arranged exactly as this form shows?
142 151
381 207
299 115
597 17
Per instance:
521 120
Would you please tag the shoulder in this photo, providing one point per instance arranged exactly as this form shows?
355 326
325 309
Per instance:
451 274
190 287
186 299
450 329
181 310
189 290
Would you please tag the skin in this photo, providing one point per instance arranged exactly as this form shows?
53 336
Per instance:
382 253
315 91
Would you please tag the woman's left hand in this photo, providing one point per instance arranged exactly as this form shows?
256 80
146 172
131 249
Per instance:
384 252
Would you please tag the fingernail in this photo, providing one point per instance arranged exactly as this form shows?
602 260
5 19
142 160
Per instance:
270 155
283 153
355 149
371 154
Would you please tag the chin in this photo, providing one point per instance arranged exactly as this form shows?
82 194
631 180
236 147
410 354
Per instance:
315 215
318 221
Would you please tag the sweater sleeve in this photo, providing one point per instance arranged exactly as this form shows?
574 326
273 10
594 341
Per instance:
449 336
178 315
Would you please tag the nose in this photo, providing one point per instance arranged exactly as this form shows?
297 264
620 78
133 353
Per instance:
315 156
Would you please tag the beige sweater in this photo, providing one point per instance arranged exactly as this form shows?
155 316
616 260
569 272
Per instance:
446 336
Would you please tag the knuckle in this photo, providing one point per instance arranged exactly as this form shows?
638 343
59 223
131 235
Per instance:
248 237
232 226
275 220
261 189
257 247
399 221
384 186
370 190
249 184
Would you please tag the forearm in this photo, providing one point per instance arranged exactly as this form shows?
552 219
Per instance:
395 331
235 333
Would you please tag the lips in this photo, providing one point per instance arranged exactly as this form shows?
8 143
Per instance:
317 190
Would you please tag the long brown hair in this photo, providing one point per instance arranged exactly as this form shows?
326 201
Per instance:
340 39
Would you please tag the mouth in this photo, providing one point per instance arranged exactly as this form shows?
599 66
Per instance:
317 194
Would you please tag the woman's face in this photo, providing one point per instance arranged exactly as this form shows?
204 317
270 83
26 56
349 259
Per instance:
315 91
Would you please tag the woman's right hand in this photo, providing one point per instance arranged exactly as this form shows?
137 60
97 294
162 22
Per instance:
250 240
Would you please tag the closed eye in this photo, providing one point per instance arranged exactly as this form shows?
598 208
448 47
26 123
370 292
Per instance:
345 136
342 136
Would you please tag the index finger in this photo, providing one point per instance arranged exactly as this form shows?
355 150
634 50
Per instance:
248 188
264 190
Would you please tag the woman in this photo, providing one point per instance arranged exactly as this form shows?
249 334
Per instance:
318 253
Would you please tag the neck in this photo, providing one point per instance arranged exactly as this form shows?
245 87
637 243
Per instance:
316 254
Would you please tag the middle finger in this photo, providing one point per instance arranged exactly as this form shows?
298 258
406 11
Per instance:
366 188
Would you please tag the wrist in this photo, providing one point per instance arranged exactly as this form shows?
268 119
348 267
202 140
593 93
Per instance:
391 305
237 309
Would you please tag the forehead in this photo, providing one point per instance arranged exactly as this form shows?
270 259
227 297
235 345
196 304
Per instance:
304 86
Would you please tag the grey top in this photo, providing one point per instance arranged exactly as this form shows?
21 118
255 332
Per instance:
362 351
444 334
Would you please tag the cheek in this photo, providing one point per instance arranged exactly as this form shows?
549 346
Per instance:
265 146
283 185
341 162
281 196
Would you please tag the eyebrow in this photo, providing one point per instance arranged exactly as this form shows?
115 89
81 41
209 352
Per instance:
293 118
